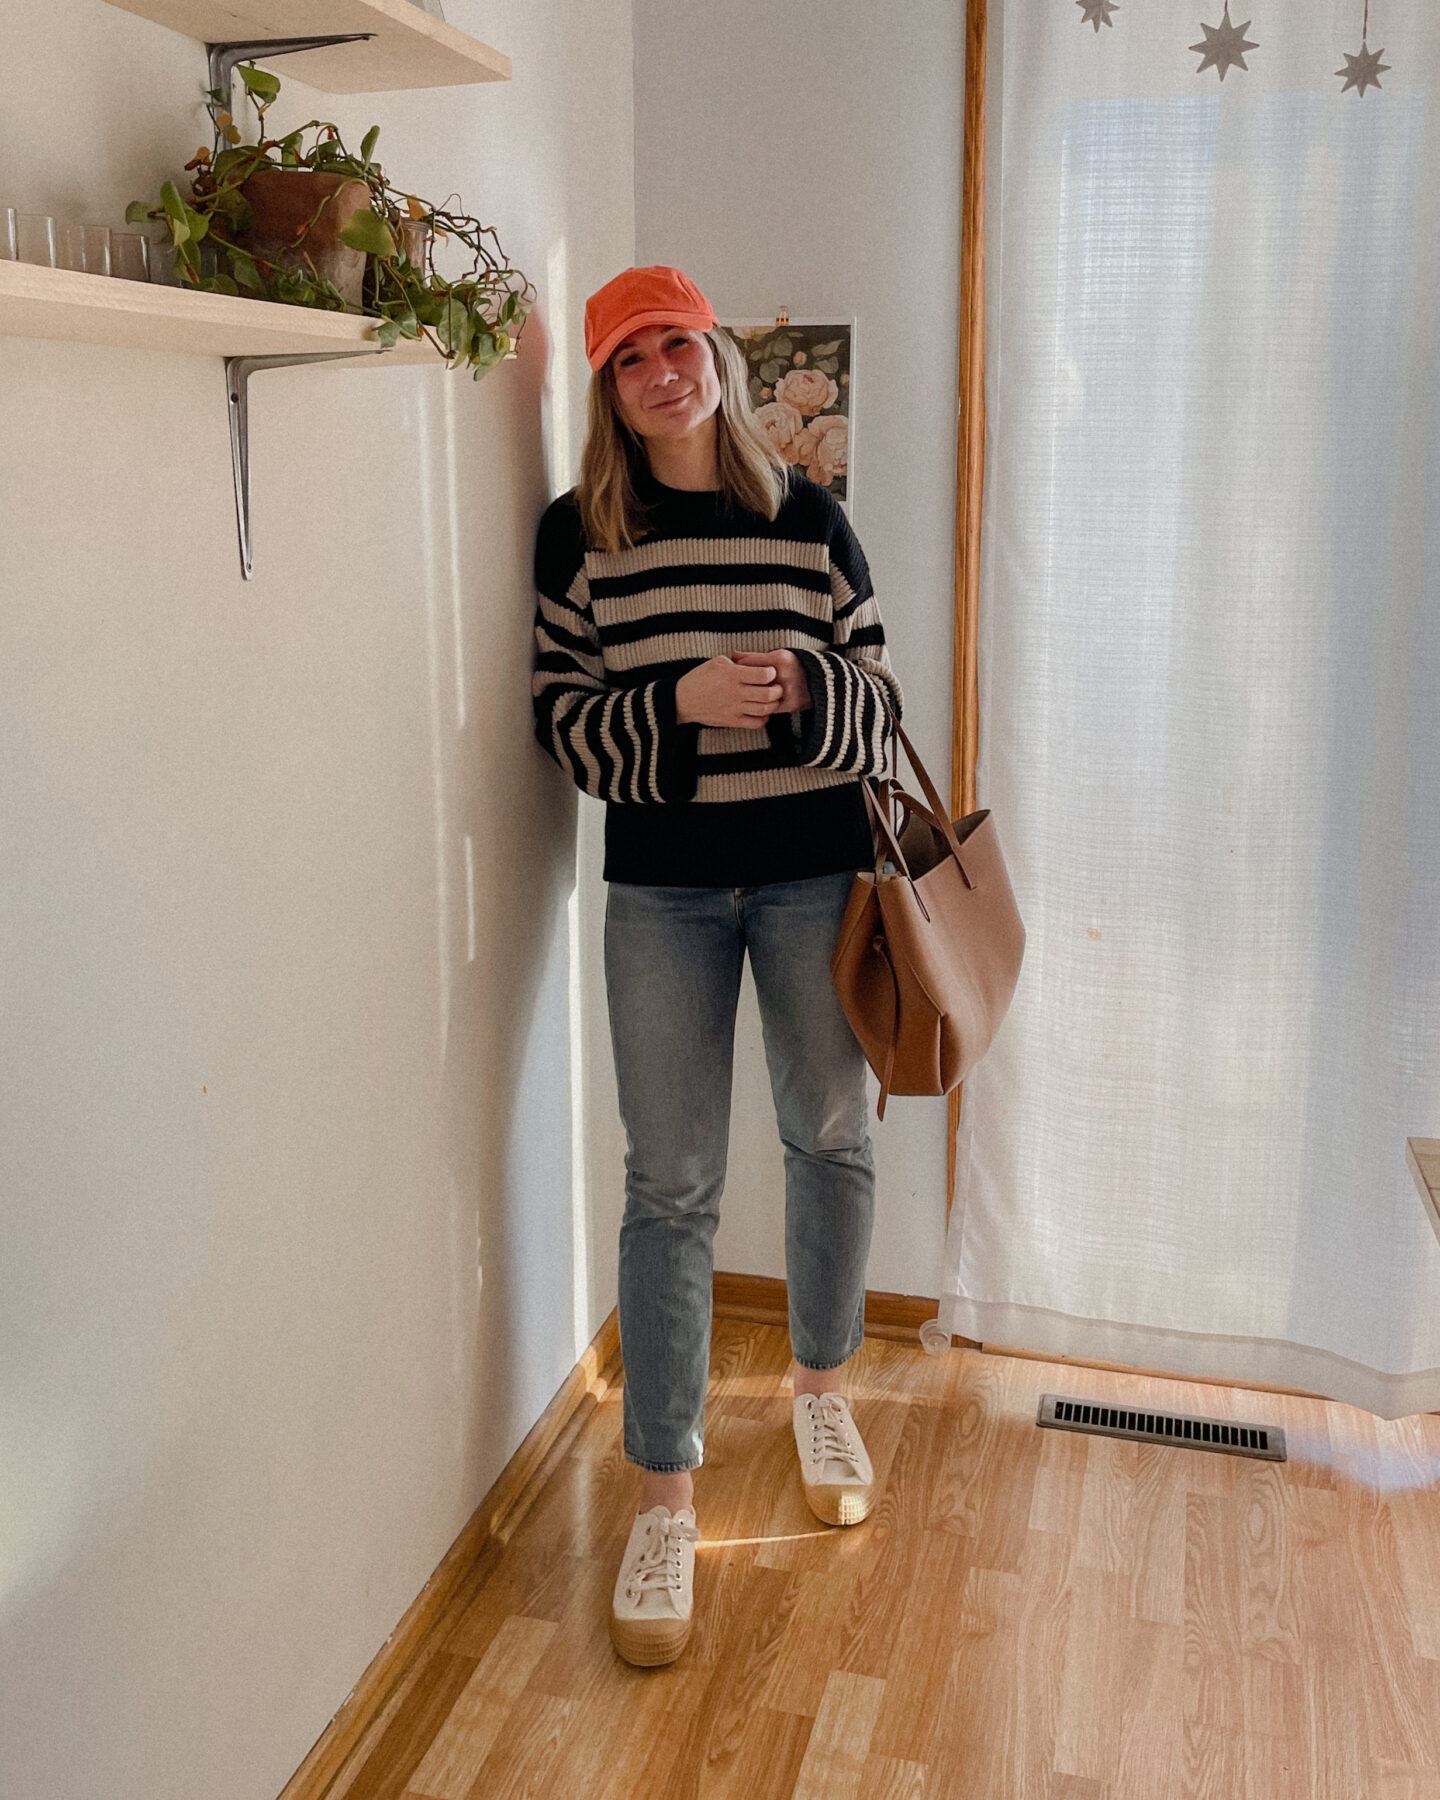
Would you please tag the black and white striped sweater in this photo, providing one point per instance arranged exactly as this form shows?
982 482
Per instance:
693 805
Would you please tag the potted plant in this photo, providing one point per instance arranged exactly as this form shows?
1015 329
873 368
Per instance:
303 220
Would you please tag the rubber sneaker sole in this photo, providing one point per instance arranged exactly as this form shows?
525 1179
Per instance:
649 1643
839 1503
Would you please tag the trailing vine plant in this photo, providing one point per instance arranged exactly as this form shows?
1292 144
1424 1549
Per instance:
474 319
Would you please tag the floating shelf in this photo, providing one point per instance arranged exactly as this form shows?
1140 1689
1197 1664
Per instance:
250 335
403 47
134 315
408 48
1423 1156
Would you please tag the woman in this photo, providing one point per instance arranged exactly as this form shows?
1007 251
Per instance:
712 665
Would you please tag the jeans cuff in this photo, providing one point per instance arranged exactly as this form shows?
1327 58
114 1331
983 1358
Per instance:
821 1368
650 1468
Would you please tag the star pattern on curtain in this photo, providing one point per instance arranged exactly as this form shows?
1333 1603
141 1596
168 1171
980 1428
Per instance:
1097 12
1224 46
1362 70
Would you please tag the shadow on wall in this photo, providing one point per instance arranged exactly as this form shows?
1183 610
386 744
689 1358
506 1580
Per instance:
505 867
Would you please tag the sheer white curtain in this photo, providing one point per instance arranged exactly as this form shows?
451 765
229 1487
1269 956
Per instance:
1210 698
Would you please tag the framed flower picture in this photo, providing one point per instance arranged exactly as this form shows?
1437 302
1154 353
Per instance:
800 386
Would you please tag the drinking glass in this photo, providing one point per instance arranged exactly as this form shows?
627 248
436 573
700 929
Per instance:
9 249
162 261
130 255
86 248
35 239
415 241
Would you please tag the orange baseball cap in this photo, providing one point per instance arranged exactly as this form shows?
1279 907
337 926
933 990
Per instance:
636 297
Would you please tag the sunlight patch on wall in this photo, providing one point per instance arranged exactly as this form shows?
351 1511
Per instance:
426 450
469 898
452 540
579 1186
557 285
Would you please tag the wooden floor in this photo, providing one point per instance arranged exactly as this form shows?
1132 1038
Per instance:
1028 1615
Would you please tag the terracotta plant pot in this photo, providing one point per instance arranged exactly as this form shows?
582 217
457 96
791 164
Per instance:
299 215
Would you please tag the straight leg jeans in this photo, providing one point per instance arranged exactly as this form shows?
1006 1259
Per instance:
673 958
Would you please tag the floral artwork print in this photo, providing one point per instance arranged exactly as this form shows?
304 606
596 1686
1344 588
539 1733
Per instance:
800 389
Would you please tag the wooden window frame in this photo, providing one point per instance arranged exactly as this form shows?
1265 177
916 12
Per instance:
970 468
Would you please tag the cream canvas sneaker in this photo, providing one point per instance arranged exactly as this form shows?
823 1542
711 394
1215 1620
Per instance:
833 1464
655 1589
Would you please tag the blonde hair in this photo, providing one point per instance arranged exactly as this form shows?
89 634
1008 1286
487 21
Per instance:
751 469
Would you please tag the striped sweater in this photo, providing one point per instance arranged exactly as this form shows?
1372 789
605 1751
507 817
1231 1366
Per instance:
695 805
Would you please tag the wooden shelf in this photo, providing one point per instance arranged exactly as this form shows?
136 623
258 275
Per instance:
1423 1156
410 48
99 309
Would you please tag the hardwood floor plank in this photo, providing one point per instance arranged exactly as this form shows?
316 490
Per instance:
520 1764
1087 1739
904 1556
709 1739
1393 1781
973 1739
888 1778
580 1649
1027 1615
1274 1733
1417 1539
389 1764
1272 1698
771 1753
839 1744
1041 1634
992 1451
1393 1680
731 1590
452 1762
620 1727
915 1711
1059 1491
746 1360
1270 1620
1332 1722
803 1660
1132 1523
1150 1703
534 1580
743 1458
604 1488
1214 1699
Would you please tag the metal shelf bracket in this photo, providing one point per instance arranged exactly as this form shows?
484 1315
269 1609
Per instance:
238 370
223 57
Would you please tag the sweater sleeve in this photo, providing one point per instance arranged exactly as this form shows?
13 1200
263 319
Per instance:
854 695
616 743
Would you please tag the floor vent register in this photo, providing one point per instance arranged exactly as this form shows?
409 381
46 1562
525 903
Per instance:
1183 1430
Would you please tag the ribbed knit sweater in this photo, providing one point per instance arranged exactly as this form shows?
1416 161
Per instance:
694 805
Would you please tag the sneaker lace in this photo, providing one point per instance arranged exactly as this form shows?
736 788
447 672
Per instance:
830 1439
660 1564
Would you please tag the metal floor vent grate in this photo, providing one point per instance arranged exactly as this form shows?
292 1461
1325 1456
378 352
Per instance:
1230 1437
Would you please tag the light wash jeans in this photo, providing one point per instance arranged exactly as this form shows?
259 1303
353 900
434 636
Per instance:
673 958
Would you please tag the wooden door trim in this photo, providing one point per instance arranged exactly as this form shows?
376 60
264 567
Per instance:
970 469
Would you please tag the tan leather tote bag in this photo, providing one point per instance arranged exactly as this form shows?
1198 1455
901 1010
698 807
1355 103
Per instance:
929 950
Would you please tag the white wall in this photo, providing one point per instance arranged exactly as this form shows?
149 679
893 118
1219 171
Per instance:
809 156
272 1107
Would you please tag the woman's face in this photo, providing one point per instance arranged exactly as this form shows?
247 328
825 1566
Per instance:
666 383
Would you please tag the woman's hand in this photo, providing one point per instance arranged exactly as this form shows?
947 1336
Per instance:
727 692
789 672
